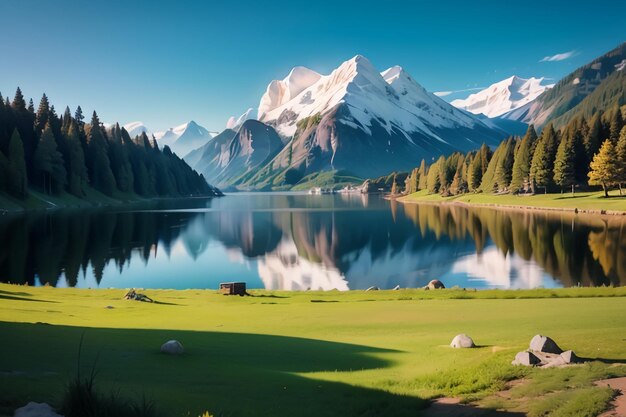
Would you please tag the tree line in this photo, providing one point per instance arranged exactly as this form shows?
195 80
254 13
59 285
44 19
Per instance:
583 153
55 154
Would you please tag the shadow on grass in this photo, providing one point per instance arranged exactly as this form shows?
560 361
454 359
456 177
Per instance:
228 374
21 296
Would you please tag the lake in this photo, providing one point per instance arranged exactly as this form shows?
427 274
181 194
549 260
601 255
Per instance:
291 241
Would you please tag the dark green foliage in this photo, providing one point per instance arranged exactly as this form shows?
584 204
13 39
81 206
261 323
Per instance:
99 166
58 154
499 171
48 163
564 174
77 171
17 178
542 164
520 179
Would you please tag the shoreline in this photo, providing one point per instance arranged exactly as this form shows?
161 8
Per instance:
513 207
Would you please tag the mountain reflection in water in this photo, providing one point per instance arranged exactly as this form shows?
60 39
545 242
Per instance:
300 242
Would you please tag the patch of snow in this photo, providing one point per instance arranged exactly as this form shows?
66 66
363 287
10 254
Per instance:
503 96
391 98
235 123
621 65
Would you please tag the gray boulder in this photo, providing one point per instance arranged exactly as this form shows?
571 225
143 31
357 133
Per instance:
526 358
544 344
374 288
570 357
462 341
33 409
435 284
172 347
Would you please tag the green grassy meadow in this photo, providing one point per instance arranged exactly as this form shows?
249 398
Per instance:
309 354
594 201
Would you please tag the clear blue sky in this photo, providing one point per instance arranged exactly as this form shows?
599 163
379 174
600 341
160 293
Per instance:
168 62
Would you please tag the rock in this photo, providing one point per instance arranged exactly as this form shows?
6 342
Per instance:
570 357
435 284
172 347
526 358
33 409
374 288
462 341
544 344
396 288
109 307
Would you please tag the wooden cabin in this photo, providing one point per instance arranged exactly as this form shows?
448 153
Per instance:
233 288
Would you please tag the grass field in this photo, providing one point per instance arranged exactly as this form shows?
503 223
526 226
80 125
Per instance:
310 354
581 200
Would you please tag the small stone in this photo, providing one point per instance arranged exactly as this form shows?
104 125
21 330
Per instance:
33 409
462 341
526 358
374 288
435 284
570 357
544 344
172 347
396 288
109 307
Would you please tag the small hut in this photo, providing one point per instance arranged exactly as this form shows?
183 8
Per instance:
233 288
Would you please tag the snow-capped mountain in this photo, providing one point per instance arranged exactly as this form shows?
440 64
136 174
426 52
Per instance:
136 129
392 97
355 119
184 138
235 123
503 96
569 93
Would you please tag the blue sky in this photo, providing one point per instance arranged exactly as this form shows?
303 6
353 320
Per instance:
169 62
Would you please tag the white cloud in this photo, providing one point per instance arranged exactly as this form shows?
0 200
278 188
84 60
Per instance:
558 57
447 93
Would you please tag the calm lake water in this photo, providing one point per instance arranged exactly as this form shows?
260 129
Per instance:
299 242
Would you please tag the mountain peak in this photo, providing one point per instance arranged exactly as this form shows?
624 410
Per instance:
503 96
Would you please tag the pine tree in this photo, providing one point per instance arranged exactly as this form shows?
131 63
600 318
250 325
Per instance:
564 175
98 163
77 171
31 106
43 113
48 161
504 167
423 176
604 169
17 167
18 102
432 182
542 164
617 122
80 118
522 160
620 154
443 174
4 172
394 186
592 137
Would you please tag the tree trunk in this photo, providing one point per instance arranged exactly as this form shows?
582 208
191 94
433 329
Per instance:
606 192
572 189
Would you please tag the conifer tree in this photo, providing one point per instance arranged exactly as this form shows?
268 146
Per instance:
423 176
48 162
522 160
616 125
43 113
592 137
18 181
99 166
620 154
18 101
604 169
432 183
77 172
542 164
564 175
